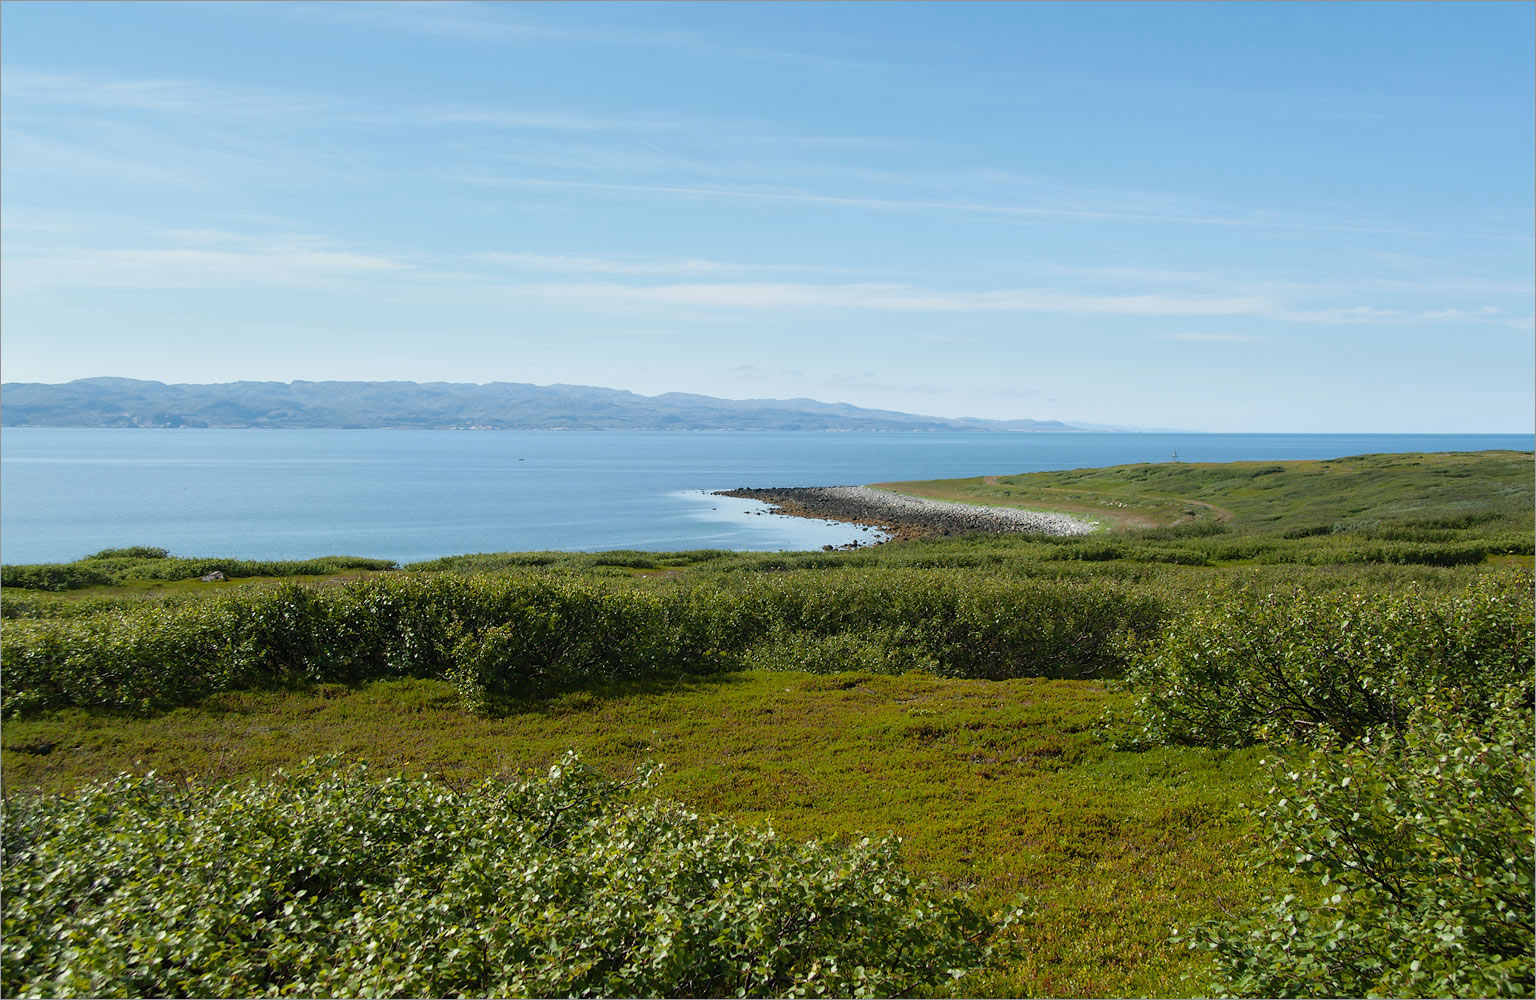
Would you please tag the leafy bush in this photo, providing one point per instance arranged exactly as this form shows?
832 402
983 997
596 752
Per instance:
586 636
53 576
876 651
510 637
116 566
1421 847
1224 673
329 883
132 552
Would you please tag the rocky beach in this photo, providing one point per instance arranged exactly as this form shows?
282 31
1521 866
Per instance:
905 517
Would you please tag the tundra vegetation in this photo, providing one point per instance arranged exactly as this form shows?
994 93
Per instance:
1268 734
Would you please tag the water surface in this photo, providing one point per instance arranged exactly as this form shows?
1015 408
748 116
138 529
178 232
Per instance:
411 495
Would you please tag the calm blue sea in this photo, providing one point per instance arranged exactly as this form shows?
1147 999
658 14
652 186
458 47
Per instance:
411 495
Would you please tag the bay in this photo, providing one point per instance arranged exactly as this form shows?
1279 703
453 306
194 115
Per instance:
413 495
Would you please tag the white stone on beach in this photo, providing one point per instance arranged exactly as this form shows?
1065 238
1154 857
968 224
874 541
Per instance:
1006 518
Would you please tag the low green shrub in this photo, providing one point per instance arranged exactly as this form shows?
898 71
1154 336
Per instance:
519 636
53 576
586 636
327 882
1423 553
1236 666
118 566
1419 844
22 604
875 651
132 552
1191 529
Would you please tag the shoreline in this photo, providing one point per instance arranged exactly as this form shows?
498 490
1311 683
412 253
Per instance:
903 517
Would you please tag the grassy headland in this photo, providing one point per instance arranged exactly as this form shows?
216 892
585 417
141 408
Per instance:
1361 492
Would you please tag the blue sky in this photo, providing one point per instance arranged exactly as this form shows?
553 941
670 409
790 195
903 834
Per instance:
1224 217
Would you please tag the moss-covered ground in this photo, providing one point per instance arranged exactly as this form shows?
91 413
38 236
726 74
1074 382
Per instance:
998 788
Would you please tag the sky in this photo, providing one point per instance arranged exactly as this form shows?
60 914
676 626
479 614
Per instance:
1286 217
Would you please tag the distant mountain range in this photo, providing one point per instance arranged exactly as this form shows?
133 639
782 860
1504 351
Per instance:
124 402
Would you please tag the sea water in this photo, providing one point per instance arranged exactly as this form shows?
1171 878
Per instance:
411 495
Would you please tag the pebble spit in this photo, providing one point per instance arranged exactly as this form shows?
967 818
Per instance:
907 517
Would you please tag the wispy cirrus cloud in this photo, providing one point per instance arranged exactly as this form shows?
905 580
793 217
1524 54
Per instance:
559 120
984 208
504 24
45 156
1213 338
587 264
191 257
893 298
760 373
1459 313
161 96
38 98
191 268
580 264
119 152
715 133
705 154
868 381
904 298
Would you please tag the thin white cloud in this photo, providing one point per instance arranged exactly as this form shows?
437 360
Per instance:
1434 314
761 296
1344 314
1213 338
894 298
488 23
121 152
1140 275
1438 283
560 120
757 372
189 268
200 237
37 98
1024 211
46 157
868 382
160 96
587 264
578 264
477 22
213 258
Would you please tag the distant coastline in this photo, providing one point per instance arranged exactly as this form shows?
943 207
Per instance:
119 402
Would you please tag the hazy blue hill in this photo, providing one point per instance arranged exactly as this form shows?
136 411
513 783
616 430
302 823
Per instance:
121 402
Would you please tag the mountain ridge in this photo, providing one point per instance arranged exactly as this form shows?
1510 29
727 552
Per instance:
108 401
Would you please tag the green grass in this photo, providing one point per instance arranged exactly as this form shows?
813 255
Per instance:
997 787
1456 488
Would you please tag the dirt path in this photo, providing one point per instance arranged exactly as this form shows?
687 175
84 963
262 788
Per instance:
1222 514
